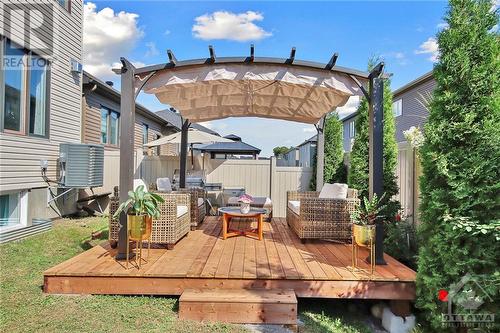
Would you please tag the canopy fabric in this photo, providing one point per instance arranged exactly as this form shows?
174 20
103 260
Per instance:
216 91
194 136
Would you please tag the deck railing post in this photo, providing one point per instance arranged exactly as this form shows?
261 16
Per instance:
376 156
127 121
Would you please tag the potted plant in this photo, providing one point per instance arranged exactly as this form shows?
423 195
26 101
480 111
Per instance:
140 207
364 219
245 200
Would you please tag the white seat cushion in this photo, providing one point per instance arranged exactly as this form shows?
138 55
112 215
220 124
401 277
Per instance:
163 185
333 191
181 210
200 202
294 206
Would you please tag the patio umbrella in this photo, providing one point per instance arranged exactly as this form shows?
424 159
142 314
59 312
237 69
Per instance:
194 137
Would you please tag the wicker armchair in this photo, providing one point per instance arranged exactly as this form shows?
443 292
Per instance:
311 217
198 206
173 223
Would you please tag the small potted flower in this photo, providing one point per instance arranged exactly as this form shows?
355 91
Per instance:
141 207
364 219
245 200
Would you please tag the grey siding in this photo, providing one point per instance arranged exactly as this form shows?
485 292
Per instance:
307 152
414 107
346 135
21 155
92 120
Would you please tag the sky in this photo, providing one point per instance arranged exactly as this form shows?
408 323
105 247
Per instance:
402 33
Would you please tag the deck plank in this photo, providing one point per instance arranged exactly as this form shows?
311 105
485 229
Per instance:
203 259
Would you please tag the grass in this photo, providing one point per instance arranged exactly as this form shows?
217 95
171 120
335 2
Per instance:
24 308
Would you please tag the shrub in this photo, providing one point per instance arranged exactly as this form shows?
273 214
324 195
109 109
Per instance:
460 160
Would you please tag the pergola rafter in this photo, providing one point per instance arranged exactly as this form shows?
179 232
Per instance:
134 80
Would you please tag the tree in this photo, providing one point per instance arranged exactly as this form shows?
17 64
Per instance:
334 151
334 168
460 158
358 172
280 150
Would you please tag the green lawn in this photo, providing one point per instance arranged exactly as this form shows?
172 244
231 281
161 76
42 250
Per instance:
24 308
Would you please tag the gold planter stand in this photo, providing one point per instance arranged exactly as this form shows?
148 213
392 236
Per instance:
139 230
363 236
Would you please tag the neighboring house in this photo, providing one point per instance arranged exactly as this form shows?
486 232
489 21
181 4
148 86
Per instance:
348 131
290 158
410 104
229 150
307 152
40 98
101 118
410 108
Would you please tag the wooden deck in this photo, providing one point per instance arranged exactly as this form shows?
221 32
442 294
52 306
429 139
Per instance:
203 260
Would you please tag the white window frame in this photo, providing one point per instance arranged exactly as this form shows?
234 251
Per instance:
397 107
108 126
352 129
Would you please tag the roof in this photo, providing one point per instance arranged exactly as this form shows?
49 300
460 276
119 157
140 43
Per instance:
349 116
176 120
413 83
233 137
310 140
230 147
91 79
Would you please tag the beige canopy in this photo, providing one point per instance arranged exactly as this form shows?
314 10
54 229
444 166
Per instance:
203 93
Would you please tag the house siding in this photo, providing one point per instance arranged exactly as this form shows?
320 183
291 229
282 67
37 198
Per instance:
93 101
414 107
307 153
20 154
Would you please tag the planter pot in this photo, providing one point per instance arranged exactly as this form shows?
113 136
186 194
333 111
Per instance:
139 226
363 234
244 208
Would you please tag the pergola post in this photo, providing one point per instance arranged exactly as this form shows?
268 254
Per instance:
183 153
320 155
376 155
127 121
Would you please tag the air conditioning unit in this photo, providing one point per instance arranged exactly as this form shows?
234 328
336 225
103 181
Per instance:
81 165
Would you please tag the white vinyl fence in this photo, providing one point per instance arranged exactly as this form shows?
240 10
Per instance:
408 171
258 177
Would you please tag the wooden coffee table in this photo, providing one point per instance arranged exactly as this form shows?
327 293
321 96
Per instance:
229 212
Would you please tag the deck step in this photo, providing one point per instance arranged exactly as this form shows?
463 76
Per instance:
244 306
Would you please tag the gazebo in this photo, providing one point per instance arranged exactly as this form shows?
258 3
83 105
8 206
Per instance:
249 86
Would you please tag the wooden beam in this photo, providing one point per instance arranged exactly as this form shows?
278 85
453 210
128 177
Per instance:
171 57
252 52
212 53
291 59
320 155
333 61
183 155
127 125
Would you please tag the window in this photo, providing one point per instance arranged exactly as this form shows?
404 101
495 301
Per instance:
158 148
9 210
109 126
66 4
145 130
23 93
352 129
397 107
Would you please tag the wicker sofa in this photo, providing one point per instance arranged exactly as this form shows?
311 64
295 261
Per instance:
173 223
198 205
311 217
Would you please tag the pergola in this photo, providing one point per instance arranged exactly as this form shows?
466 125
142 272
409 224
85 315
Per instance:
281 88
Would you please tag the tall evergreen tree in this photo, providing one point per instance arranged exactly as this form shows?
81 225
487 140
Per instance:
334 150
460 187
358 172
